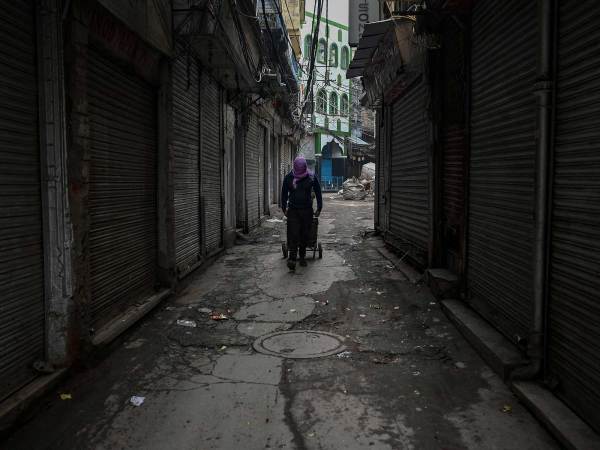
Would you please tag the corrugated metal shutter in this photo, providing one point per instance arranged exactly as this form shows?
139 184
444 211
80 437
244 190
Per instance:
409 189
252 176
453 142
454 145
502 158
211 164
186 148
21 252
211 167
574 352
122 192
380 171
261 170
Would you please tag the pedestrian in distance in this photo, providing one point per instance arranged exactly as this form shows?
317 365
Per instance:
297 205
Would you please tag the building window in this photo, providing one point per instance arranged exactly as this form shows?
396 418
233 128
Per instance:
345 57
322 51
322 101
307 46
339 125
333 55
333 104
344 105
339 80
340 35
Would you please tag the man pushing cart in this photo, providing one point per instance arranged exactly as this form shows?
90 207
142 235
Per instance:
297 205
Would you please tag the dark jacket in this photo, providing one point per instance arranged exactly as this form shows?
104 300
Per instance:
300 197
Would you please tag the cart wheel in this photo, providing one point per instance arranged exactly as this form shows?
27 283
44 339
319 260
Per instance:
320 251
284 250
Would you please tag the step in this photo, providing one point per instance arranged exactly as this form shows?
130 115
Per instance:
444 283
496 350
571 431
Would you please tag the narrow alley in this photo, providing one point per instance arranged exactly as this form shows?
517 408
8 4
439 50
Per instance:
162 164
405 380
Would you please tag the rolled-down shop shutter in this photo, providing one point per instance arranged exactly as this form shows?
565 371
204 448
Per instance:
261 170
574 307
22 308
252 176
454 146
502 158
380 169
122 192
211 164
409 222
186 148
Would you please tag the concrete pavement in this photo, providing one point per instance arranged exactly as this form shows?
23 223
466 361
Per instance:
407 379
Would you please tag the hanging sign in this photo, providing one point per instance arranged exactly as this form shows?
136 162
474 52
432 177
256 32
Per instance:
361 12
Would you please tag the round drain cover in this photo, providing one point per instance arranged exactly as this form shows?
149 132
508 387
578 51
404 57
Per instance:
300 344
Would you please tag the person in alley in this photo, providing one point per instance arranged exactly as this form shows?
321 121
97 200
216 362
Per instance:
297 205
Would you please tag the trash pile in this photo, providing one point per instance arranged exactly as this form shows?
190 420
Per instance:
353 189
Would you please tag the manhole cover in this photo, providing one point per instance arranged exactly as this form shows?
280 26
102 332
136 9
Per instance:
300 344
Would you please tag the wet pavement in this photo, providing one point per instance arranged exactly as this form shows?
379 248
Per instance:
404 379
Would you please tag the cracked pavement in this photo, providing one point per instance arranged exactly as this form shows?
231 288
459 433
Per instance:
407 379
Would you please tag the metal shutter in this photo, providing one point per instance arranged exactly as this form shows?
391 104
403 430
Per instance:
454 145
261 170
409 197
252 176
21 251
186 147
212 154
122 192
574 307
502 158
380 169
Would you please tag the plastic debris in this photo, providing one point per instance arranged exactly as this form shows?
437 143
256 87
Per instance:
507 409
379 292
292 310
186 323
219 316
460 365
137 401
363 315
416 373
396 307
344 355
374 306
223 347
418 409
66 397
205 310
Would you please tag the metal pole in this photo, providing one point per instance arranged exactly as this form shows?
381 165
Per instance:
543 92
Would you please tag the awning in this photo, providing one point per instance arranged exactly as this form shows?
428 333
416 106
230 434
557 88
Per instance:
367 45
357 141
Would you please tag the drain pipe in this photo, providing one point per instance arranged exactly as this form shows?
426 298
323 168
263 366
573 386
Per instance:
543 92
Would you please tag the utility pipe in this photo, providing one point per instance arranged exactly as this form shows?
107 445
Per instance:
543 93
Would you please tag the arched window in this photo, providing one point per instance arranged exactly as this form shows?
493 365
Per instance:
339 80
333 55
307 45
333 104
322 101
345 57
322 51
344 104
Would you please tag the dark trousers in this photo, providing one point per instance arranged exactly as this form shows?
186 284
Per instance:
299 223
